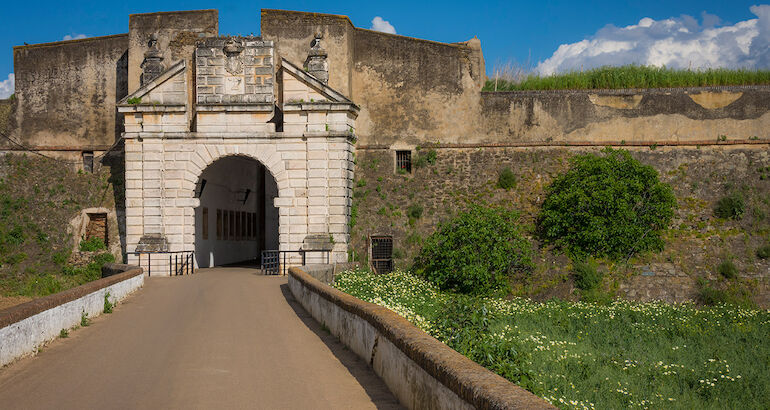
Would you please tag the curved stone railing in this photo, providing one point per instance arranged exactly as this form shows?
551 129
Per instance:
25 327
422 372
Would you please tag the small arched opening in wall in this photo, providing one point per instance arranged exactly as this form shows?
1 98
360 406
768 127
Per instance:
235 219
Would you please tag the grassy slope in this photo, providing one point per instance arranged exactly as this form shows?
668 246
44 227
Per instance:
579 355
630 76
38 197
696 242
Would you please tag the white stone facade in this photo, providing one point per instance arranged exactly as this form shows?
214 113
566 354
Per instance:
311 160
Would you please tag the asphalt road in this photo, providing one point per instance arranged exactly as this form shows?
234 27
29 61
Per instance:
222 338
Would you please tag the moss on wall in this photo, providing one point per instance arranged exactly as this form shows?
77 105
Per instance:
38 198
696 242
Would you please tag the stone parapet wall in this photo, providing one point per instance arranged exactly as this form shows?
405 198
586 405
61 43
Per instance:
176 33
617 117
422 372
25 327
66 92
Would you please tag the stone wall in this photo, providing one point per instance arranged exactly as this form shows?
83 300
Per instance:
689 116
422 372
695 244
293 31
25 327
409 90
66 93
244 76
176 31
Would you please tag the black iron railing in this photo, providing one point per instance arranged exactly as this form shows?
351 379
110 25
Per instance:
274 261
179 262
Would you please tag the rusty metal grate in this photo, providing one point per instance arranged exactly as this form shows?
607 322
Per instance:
97 227
382 254
404 161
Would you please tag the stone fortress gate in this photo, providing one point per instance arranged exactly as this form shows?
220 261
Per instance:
231 152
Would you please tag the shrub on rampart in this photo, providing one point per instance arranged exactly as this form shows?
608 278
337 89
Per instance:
731 206
92 244
475 252
608 205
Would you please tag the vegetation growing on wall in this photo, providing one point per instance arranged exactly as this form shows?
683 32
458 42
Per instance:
629 76
476 252
38 198
585 355
695 243
608 205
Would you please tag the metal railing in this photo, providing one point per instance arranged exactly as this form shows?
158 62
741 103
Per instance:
179 262
274 261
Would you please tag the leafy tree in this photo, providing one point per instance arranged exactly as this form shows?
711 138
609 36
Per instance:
475 252
608 205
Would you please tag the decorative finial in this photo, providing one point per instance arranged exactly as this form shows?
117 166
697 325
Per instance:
152 66
316 62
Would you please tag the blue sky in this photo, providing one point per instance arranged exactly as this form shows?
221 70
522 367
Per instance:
530 34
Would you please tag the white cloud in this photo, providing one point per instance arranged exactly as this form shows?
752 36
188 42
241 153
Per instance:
7 86
73 36
674 42
378 24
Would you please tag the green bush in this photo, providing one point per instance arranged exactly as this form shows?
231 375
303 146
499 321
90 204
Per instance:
730 206
587 276
107 304
727 269
608 205
763 252
428 158
92 245
475 252
733 294
414 211
506 180
61 257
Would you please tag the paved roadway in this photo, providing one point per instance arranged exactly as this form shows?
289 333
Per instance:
222 338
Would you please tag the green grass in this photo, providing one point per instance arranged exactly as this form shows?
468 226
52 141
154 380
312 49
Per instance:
38 198
631 76
583 355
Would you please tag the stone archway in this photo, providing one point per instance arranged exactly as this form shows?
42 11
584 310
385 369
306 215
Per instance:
203 156
313 194
236 219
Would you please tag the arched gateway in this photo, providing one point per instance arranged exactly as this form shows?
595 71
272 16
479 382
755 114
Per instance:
252 157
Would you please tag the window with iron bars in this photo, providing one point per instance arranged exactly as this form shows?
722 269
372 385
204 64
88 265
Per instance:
404 161
88 161
382 253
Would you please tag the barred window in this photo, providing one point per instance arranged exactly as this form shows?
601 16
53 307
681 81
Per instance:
382 254
205 223
88 161
404 161
219 224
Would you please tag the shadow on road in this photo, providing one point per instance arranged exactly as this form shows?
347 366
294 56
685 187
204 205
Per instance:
374 386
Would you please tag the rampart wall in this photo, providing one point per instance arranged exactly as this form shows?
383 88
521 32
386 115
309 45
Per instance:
412 92
66 93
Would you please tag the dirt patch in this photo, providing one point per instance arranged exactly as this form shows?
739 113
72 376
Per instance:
9 301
